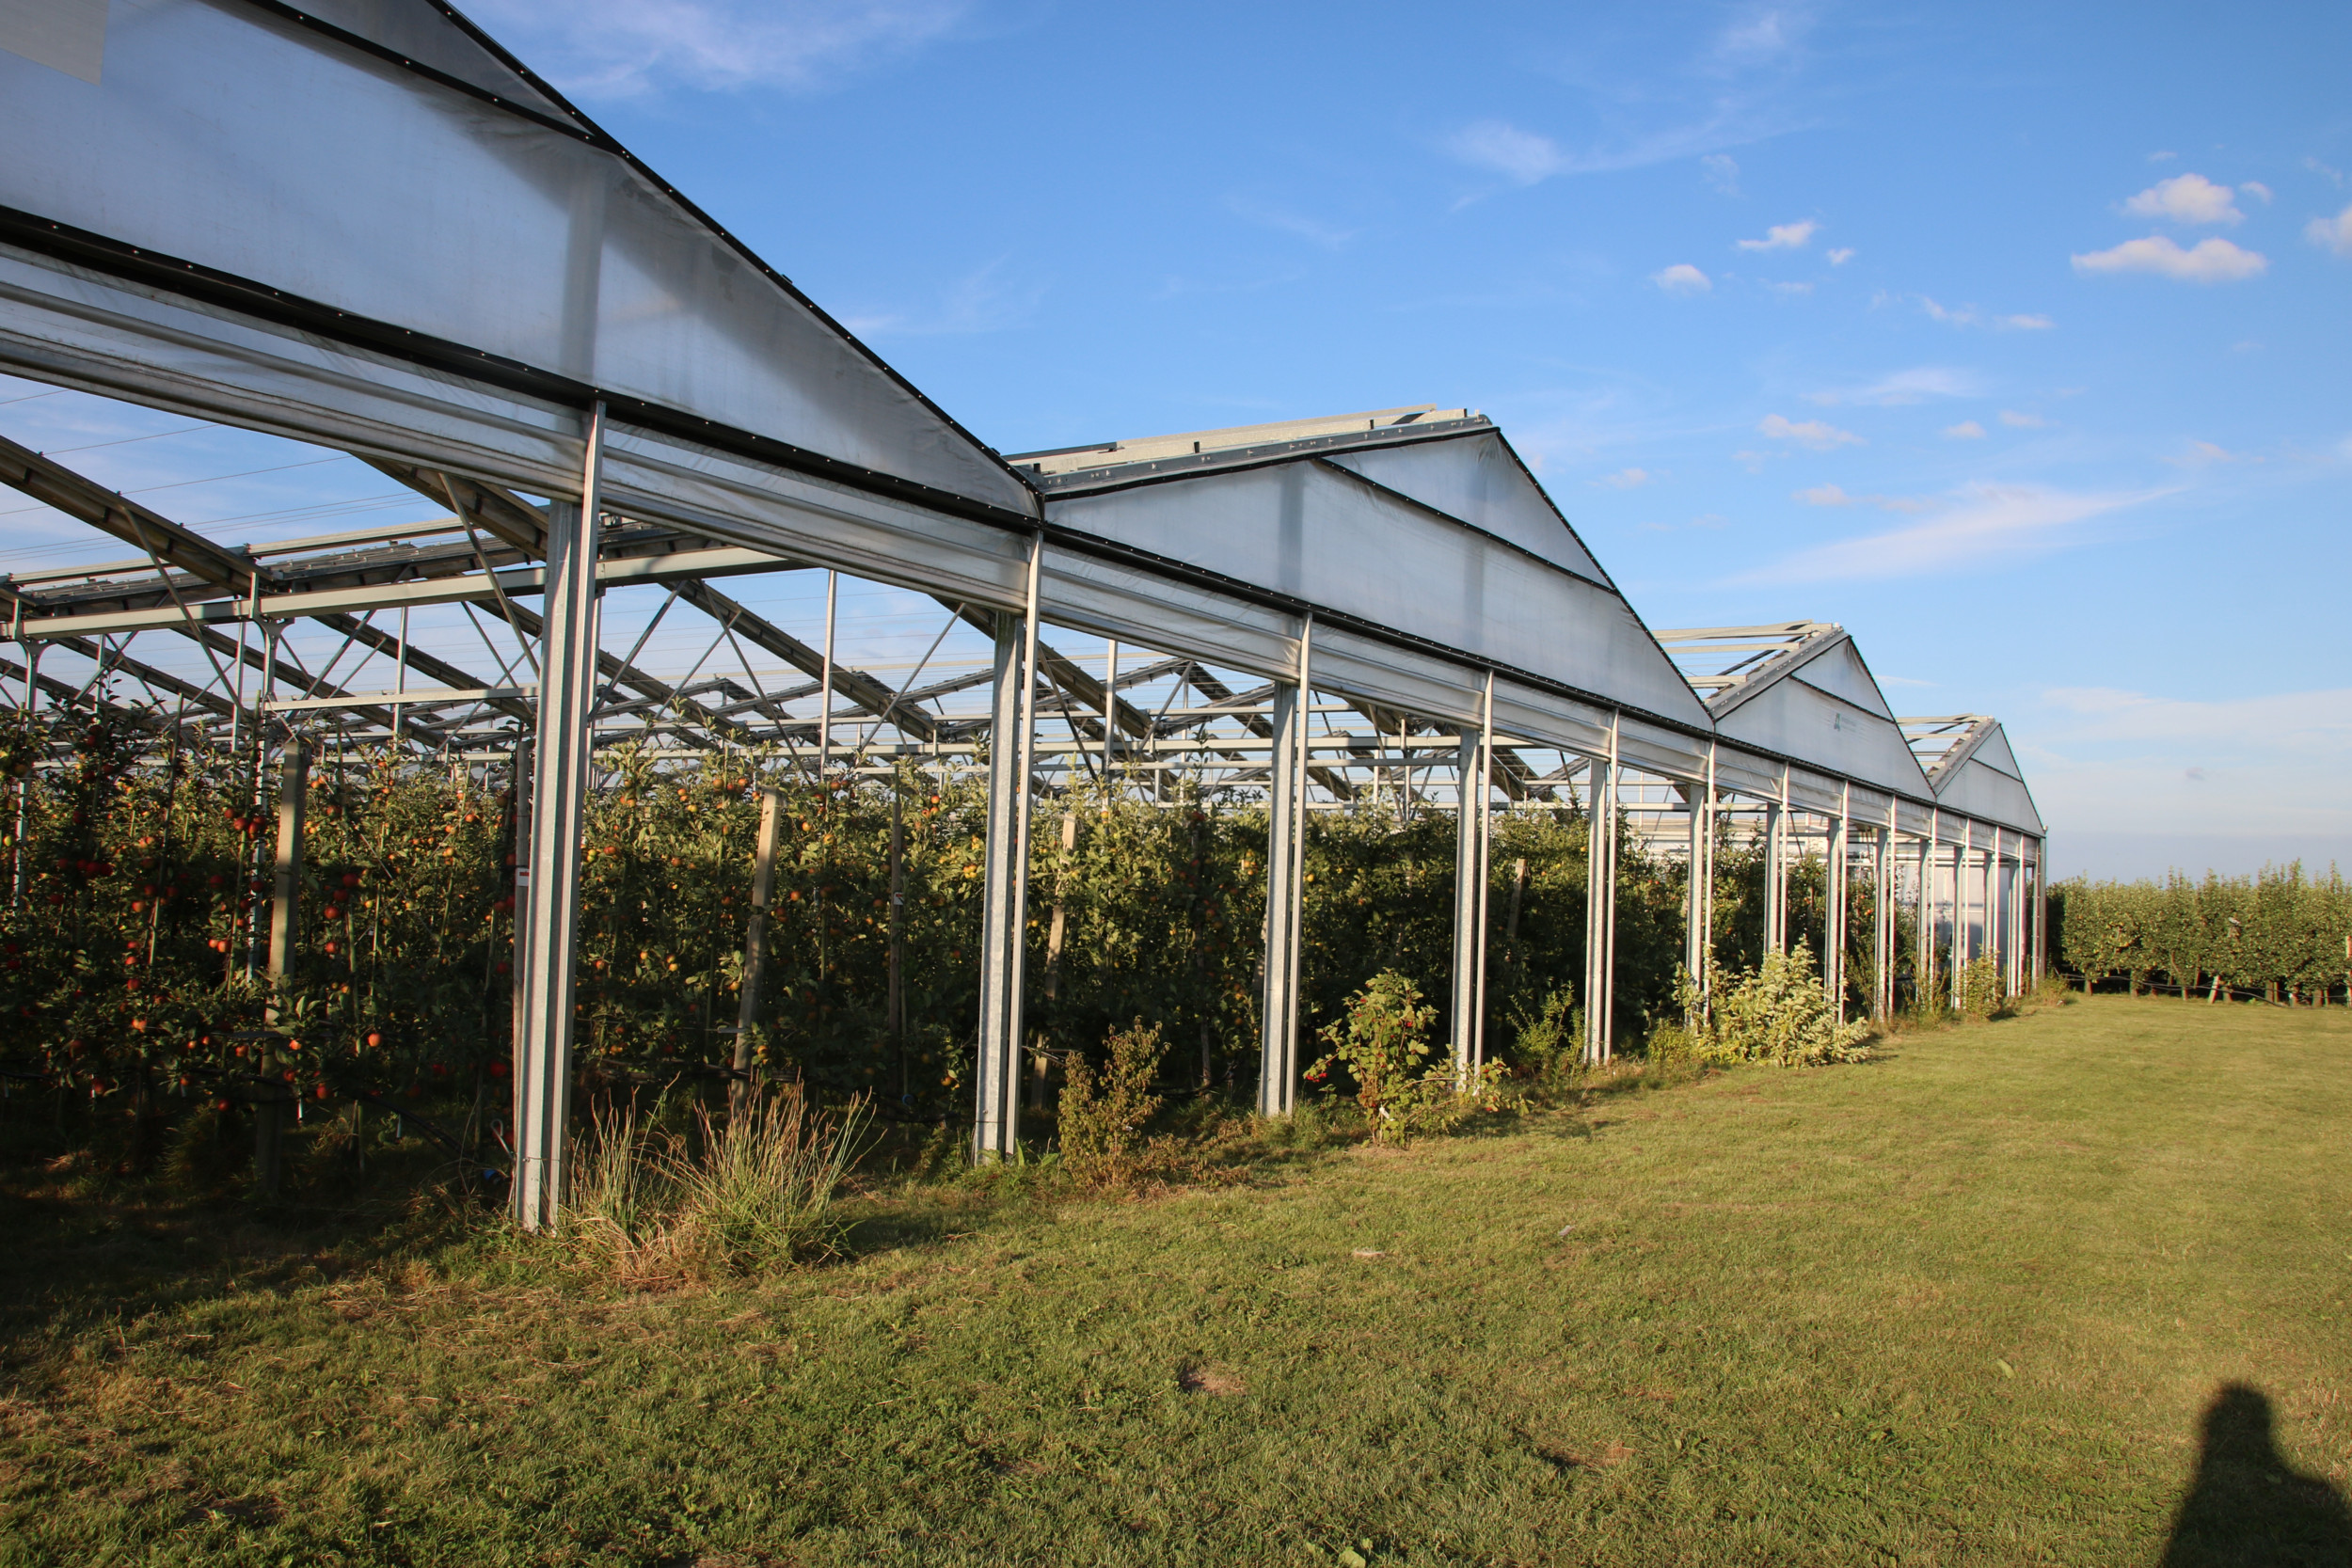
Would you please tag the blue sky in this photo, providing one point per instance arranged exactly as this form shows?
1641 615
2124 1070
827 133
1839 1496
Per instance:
2012 337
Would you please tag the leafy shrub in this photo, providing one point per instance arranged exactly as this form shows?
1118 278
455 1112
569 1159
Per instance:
1380 1039
1102 1123
1549 1037
1981 990
1777 1012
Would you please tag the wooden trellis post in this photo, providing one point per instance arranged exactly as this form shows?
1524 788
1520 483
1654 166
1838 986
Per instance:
269 1115
755 940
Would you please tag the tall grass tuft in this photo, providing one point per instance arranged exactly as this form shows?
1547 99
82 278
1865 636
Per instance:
761 1194
755 1190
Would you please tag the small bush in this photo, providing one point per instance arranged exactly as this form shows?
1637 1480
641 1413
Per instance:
1102 1122
1380 1041
1777 1013
1981 990
1549 1039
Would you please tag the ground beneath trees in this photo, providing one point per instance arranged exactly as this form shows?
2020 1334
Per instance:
1971 1303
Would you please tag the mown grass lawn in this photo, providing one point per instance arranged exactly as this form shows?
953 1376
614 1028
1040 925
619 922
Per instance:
1966 1304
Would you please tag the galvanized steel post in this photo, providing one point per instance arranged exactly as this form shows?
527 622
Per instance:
1004 921
1285 901
1600 905
1470 892
1834 917
567 682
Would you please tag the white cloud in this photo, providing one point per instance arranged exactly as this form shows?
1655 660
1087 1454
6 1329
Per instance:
1967 430
1682 278
2211 261
1903 387
2256 189
1782 236
1522 155
2335 233
1842 255
2200 455
1790 288
2333 176
1986 523
2024 323
2016 420
2186 198
1722 171
2162 157
1625 478
1817 433
636 48
1832 495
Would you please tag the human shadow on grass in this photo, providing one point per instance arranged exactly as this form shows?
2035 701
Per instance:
2248 1507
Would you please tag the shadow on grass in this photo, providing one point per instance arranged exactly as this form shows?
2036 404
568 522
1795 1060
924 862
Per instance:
2248 1507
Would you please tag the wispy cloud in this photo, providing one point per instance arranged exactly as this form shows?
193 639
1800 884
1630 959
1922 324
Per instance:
1818 435
1969 315
1625 478
1283 220
1903 387
1682 278
2017 421
2210 260
639 48
1723 173
987 299
1523 156
1839 257
1967 430
1834 494
1983 525
2335 233
1782 236
2189 198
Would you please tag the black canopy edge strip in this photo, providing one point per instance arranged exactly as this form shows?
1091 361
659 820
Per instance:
209 286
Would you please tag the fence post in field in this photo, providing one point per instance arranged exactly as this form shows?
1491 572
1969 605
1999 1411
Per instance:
269 1112
747 1012
1004 919
559 787
1285 867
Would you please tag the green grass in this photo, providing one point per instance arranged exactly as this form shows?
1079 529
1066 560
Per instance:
1966 1304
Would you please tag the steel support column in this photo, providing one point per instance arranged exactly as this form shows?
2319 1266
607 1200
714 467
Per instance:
1776 870
1923 937
1285 903
1600 905
1004 922
1470 892
1698 900
1962 948
567 692
1833 915
1883 919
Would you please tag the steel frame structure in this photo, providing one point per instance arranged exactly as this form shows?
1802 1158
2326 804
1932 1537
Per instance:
608 392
